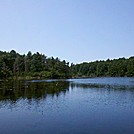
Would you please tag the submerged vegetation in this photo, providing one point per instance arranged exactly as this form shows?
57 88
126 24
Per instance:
14 65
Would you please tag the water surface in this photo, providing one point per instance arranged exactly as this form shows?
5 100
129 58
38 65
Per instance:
73 106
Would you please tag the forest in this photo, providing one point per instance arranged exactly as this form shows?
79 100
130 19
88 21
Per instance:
110 68
14 65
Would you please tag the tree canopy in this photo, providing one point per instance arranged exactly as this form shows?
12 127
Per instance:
113 68
37 65
13 64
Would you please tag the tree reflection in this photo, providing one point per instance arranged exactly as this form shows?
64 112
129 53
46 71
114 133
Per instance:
15 90
100 86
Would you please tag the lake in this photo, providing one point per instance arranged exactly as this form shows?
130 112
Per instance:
71 106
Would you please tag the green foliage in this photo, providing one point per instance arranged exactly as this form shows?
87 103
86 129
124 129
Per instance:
36 65
130 67
14 65
114 68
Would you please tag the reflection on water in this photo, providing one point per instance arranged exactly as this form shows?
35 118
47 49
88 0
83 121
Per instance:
110 83
15 90
101 86
40 89
75 106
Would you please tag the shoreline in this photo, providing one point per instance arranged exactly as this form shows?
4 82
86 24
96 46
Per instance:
75 77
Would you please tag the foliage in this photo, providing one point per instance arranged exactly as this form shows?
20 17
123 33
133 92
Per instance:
37 65
15 65
113 68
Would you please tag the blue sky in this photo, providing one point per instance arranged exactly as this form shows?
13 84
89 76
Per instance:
74 30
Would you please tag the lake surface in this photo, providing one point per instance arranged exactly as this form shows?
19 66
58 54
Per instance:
73 106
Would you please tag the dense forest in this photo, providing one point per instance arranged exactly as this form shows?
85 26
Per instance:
110 68
14 65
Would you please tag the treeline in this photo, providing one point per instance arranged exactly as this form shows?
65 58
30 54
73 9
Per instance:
14 65
112 68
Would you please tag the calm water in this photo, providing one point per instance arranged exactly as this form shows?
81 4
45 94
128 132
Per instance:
74 106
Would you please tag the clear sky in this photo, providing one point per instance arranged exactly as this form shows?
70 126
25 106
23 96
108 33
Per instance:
74 30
